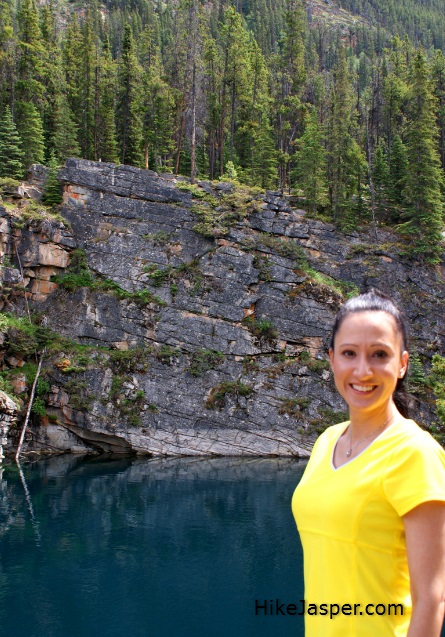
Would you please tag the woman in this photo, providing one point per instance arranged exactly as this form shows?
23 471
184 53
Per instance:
370 507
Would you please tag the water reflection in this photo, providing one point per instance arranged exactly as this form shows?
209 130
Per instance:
148 547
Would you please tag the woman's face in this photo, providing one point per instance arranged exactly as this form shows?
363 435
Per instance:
367 360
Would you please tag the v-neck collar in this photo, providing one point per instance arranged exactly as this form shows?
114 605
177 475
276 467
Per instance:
363 450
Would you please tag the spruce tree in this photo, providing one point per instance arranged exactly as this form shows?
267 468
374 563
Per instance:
11 152
60 128
254 138
264 156
380 176
236 83
423 195
397 177
159 120
72 68
64 135
310 169
107 143
29 86
290 74
8 43
89 90
395 92
129 105
346 161
438 73
213 70
30 129
52 194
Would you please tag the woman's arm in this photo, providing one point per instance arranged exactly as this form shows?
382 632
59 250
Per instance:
425 547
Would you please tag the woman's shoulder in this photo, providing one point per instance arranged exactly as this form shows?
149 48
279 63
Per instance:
410 439
415 468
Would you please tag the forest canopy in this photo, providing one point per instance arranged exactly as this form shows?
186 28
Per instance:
348 115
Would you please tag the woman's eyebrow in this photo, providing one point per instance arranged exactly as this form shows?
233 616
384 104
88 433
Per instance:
377 344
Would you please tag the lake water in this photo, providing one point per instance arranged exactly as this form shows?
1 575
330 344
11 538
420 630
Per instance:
139 548
172 547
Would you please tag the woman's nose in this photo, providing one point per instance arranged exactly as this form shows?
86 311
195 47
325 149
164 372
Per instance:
363 367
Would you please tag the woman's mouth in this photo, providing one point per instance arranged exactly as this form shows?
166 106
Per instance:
363 389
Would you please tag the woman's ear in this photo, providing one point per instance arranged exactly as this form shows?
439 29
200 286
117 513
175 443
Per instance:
331 356
403 364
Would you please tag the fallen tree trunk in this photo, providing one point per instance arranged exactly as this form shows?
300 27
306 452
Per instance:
31 400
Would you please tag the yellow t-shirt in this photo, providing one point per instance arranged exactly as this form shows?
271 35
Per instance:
351 528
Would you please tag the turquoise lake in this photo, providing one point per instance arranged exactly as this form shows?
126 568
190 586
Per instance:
131 547
136 547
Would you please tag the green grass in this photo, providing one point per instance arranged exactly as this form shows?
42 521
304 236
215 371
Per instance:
293 406
216 399
262 329
203 360
217 214
131 360
166 353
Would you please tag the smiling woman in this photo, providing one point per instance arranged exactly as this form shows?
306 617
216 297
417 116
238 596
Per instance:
368 359
375 537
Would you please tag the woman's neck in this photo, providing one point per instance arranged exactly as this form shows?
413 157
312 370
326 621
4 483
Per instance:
364 423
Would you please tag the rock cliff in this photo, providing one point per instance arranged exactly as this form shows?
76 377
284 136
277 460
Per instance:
196 317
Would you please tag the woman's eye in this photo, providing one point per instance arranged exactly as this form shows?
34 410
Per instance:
348 353
380 354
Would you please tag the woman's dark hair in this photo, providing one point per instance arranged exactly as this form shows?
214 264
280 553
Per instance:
376 301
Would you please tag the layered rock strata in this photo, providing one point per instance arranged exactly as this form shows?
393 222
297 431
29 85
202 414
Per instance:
234 327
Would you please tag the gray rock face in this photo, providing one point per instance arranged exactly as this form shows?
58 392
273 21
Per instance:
8 417
250 295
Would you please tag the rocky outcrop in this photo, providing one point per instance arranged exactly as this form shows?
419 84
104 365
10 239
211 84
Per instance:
8 416
229 328
35 252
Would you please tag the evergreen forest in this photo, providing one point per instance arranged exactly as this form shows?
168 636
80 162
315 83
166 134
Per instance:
348 115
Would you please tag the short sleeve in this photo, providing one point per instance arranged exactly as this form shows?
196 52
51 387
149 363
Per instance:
415 473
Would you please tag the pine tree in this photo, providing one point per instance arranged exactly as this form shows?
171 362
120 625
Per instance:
423 195
64 135
179 61
191 77
310 168
213 74
72 69
236 90
59 124
29 86
264 156
398 170
30 129
8 45
290 75
395 94
52 194
254 138
346 161
380 176
88 123
129 107
11 152
438 73
159 121
106 129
